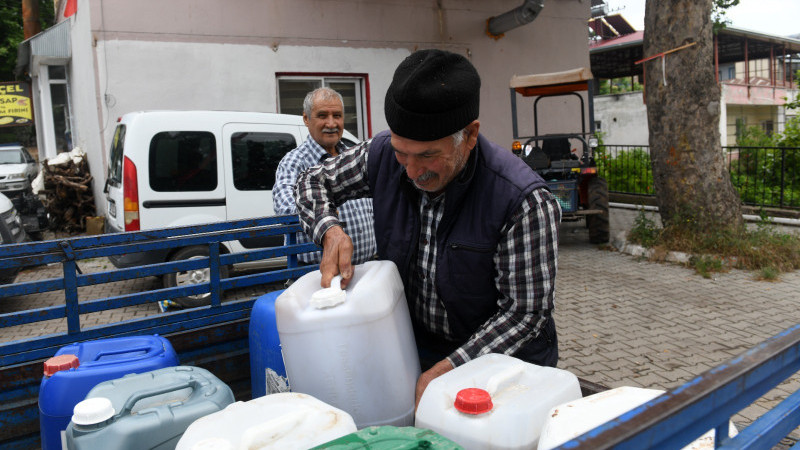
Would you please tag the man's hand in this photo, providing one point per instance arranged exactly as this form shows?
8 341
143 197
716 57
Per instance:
438 369
337 254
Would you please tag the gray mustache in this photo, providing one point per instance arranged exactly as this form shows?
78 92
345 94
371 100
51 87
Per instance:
425 177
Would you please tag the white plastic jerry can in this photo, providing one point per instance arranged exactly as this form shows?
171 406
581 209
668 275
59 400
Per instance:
353 349
572 419
494 402
282 420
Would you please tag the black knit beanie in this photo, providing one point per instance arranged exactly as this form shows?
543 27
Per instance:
433 94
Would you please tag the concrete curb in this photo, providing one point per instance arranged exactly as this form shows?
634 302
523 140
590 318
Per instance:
623 246
747 217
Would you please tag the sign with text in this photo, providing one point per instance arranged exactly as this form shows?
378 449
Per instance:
16 106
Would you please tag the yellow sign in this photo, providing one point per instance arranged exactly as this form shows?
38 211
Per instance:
16 107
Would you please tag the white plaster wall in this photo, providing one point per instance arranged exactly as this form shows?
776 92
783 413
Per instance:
723 123
181 75
83 98
144 75
210 54
623 118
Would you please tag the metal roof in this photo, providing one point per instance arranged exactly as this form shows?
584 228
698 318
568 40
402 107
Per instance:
613 25
614 58
51 45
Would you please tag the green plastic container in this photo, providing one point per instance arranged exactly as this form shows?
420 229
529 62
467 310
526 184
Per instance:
391 438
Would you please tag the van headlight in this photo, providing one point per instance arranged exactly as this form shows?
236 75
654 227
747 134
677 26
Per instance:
16 176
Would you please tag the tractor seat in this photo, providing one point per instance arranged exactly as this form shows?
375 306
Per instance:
537 159
557 149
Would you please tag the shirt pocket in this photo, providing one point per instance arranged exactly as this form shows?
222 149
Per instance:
470 267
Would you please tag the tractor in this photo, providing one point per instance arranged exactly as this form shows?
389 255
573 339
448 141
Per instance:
565 160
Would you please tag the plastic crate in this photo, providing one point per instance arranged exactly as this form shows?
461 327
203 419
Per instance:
566 193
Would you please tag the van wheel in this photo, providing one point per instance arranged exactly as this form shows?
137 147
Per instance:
192 276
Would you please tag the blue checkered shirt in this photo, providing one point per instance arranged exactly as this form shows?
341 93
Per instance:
525 258
355 215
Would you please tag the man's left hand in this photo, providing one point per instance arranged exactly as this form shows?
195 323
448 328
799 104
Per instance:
438 369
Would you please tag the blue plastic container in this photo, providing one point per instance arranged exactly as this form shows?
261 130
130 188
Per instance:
267 373
63 386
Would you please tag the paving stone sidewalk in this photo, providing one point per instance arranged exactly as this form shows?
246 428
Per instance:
624 321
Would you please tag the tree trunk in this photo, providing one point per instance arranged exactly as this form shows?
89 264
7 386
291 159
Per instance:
30 18
691 177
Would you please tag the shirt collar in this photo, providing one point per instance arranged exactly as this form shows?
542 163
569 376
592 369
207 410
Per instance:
320 152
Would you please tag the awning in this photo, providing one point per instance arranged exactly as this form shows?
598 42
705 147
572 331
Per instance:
552 83
51 46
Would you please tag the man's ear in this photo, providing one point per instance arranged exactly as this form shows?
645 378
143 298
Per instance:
305 118
472 133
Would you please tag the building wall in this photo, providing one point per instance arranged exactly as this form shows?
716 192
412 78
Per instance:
753 106
236 47
755 95
84 99
214 54
622 118
226 77
749 116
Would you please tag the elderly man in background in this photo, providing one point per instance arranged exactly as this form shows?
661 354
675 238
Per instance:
323 114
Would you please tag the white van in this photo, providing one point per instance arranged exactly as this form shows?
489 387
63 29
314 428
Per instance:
176 168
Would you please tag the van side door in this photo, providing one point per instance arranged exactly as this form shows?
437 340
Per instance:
184 182
252 154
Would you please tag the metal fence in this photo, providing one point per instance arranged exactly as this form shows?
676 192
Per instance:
764 176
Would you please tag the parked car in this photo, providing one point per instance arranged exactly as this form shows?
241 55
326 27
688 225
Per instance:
11 232
178 168
17 169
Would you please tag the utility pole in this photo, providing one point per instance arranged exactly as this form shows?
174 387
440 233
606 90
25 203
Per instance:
30 18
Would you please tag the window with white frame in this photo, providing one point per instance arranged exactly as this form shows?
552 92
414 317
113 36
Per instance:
292 90
59 98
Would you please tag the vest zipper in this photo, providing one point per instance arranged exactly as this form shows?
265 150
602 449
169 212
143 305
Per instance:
472 248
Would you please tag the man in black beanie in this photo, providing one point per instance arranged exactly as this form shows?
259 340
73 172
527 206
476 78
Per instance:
472 229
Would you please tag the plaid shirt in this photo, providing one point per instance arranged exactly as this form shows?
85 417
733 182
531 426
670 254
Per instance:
525 259
355 214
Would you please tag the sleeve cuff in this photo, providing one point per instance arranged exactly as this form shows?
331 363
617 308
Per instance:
323 226
458 357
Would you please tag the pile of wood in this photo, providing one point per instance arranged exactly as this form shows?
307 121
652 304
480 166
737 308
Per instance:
68 193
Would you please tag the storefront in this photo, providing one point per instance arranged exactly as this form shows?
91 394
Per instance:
45 58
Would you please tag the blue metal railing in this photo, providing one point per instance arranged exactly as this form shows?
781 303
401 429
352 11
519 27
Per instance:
68 252
670 421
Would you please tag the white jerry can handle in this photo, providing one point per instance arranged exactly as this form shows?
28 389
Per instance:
329 297
268 432
503 378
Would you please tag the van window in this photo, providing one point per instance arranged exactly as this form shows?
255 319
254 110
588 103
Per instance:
183 161
256 157
115 162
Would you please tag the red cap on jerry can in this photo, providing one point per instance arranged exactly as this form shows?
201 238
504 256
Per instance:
473 401
59 363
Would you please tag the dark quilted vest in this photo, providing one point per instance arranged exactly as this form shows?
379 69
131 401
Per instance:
477 205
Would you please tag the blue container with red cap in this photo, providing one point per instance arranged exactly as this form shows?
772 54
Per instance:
77 368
